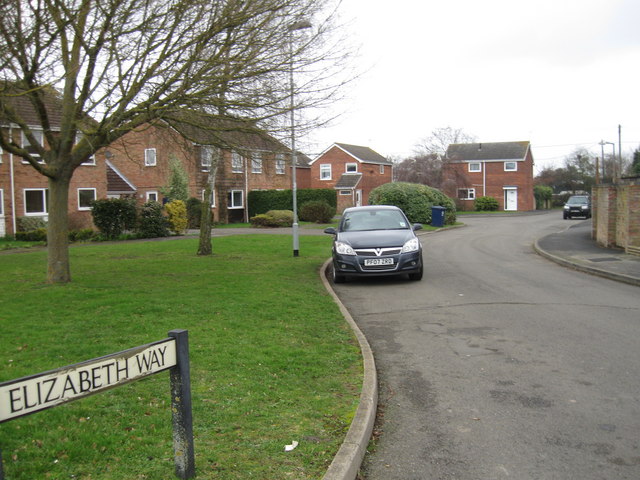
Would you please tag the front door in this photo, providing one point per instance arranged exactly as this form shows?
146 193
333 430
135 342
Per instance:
510 199
358 198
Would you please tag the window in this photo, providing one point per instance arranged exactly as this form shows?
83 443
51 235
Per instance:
475 167
510 166
206 154
381 169
1 203
466 193
351 168
235 199
212 199
150 157
85 197
280 166
236 163
152 196
256 163
39 136
325 171
35 201
345 192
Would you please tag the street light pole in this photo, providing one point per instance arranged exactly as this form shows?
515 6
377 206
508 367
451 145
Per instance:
299 25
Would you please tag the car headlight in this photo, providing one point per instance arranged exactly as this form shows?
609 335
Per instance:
412 245
344 249
566 207
584 207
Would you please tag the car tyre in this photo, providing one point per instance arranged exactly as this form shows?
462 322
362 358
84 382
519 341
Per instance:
417 276
336 277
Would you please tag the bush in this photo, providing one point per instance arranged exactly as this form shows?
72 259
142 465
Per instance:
194 212
486 204
152 222
415 200
37 235
81 235
29 224
273 218
112 216
261 201
317 211
177 211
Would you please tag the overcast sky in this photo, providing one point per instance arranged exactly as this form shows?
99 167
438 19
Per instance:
560 73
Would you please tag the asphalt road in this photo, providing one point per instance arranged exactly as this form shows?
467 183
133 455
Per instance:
500 363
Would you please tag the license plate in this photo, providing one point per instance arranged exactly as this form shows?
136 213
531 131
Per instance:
370 262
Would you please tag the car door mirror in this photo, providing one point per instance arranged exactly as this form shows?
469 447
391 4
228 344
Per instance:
330 230
417 226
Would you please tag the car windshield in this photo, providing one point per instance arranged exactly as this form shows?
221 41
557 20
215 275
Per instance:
373 220
577 201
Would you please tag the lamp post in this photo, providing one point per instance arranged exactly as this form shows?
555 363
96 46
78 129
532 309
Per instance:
602 144
299 25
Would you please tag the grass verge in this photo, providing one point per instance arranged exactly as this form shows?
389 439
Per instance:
272 360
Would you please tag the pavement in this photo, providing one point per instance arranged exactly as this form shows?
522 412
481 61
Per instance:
574 248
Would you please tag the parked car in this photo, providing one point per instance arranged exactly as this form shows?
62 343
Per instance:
375 240
577 206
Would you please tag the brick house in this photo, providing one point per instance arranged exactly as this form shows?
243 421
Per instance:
353 171
137 166
23 191
502 170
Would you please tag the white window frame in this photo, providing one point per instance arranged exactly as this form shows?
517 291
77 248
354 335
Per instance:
256 162
237 163
471 194
1 203
149 159
151 193
91 162
478 166
325 171
232 205
85 208
39 134
514 169
351 168
213 197
206 154
345 192
281 166
381 169
45 201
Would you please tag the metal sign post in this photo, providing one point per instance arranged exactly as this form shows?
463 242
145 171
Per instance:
31 394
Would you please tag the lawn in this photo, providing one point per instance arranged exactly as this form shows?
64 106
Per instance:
272 360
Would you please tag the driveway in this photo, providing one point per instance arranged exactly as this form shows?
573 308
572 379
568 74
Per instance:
500 363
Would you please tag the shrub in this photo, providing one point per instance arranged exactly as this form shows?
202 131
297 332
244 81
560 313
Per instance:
415 200
177 211
261 201
317 211
29 224
273 218
152 222
486 204
112 216
37 235
81 235
194 212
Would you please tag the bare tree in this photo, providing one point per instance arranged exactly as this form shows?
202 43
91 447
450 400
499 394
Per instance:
111 66
426 164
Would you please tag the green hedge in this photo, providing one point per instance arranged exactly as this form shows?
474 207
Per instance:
486 204
261 201
415 200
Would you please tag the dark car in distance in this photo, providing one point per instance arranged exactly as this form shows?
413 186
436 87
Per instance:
373 241
577 206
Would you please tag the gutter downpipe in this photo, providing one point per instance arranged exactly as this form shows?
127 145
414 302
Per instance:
484 179
13 188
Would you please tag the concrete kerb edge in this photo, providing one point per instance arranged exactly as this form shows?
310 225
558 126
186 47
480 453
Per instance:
619 277
347 461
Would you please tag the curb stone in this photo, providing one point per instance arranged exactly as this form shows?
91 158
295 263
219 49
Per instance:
347 461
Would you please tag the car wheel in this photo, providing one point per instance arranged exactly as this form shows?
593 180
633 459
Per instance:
417 276
336 277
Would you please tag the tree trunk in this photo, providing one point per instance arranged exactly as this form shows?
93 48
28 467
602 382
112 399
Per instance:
58 270
205 244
